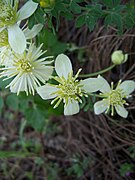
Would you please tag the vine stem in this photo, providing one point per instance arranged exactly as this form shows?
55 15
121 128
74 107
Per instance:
96 95
97 73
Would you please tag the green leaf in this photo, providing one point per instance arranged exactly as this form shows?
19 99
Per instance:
1 103
80 21
91 22
111 3
67 14
39 16
35 117
3 84
114 19
126 168
75 8
9 154
12 101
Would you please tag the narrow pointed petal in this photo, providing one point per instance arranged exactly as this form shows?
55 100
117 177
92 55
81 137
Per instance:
91 84
121 111
127 86
16 39
63 66
71 108
27 10
100 106
105 87
31 33
46 91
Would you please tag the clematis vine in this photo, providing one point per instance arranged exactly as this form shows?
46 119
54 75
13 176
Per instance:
27 70
114 99
10 19
69 89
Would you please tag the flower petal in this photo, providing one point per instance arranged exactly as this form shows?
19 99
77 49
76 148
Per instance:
27 10
16 39
100 106
71 108
121 111
128 86
63 66
105 87
31 33
46 91
91 84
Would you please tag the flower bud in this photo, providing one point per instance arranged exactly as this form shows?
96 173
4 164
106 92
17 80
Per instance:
47 3
118 57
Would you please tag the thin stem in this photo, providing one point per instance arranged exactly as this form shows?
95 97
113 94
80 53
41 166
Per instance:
96 95
98 73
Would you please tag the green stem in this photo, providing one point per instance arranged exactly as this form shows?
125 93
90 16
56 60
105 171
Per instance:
96 95
97 73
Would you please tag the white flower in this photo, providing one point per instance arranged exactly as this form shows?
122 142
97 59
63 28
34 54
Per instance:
27 70
5 49
69 90
114 98
10 19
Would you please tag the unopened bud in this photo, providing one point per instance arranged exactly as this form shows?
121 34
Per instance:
118 57
47 3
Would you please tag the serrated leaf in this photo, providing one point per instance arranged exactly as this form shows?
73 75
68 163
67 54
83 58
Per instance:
75 8
91 22
114 19
80 21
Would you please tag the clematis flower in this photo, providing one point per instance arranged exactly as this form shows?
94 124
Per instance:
114 98
27 70
69 89
5 49
10 19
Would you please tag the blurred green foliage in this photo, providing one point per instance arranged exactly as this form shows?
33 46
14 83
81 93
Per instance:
125 169
113 13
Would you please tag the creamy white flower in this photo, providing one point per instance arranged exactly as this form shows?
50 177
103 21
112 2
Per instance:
114 98
10 19
69 90
5 49
28 70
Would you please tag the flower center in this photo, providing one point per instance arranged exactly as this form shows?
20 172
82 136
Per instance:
68 89
116 97
4 38
7 14
24 66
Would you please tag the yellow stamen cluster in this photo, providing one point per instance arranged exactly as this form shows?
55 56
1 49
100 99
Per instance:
68 89
23 66
7 14
115 97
